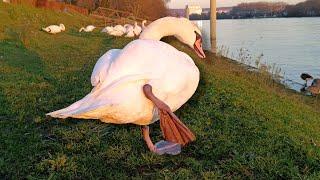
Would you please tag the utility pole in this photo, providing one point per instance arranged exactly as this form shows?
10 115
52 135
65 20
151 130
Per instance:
213 25
187 11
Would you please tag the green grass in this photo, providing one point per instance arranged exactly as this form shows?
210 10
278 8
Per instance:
247 126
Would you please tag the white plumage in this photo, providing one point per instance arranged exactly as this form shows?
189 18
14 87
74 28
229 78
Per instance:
129 31
119 75
54 29
137 29
120 28
89 28
144 24
116 33
107 29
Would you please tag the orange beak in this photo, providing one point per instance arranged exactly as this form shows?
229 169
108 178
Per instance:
198 46
198 49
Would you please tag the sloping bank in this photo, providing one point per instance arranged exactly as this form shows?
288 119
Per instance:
247 126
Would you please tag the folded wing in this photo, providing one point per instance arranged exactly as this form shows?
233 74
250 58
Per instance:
102 66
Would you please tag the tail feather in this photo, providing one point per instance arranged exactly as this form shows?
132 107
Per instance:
102 97
78 107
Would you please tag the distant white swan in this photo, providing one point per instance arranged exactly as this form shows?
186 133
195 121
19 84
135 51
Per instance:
117 30
129 31
137 29
144 24
89 28
120 28
107 29
116 33
128 26
54 29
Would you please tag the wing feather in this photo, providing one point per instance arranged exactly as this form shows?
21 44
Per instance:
102 66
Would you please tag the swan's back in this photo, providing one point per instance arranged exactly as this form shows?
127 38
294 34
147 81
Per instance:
148 57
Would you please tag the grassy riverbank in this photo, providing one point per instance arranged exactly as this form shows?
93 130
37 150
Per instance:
246 125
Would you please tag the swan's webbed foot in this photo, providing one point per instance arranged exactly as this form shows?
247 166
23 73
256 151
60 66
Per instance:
161 147
174 131
166 147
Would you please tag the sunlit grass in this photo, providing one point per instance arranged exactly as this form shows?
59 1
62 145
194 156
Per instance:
247 125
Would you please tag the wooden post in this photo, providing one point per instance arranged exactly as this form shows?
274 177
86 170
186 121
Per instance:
213 25
187 12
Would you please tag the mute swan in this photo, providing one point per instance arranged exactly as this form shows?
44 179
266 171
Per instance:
54 29
129 30
145 80
116 33
89 28
107 29
144 24
137 29
104 30
119 28
128 26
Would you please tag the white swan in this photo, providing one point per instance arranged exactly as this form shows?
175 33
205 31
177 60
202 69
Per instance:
144 24
107 29
119 28
54 29
116 33
128 26
146 79
137 29
89 28
129 31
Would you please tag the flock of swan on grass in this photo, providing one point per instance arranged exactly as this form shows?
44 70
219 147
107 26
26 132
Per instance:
126 30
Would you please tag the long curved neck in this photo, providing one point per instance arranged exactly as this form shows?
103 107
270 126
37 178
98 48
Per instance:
144 24
160 28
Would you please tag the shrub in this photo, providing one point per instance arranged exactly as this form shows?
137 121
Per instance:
152 9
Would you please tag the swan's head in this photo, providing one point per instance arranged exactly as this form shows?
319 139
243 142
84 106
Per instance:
63 28
190 34
183 29
128 27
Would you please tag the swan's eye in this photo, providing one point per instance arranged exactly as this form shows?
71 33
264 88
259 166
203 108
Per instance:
198 36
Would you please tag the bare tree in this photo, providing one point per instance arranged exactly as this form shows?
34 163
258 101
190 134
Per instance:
151 9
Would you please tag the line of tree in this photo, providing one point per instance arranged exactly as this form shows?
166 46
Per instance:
152 9
258 9
307 9
267 9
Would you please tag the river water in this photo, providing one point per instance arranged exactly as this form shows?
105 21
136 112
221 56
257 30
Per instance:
292 44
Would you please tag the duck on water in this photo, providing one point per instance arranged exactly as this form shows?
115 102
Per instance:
314 88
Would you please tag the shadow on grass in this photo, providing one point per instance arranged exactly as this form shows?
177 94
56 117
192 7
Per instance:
16 55
88 35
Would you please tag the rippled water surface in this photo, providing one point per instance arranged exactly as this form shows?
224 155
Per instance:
292 43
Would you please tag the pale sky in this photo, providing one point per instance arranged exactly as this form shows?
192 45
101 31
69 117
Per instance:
220 3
